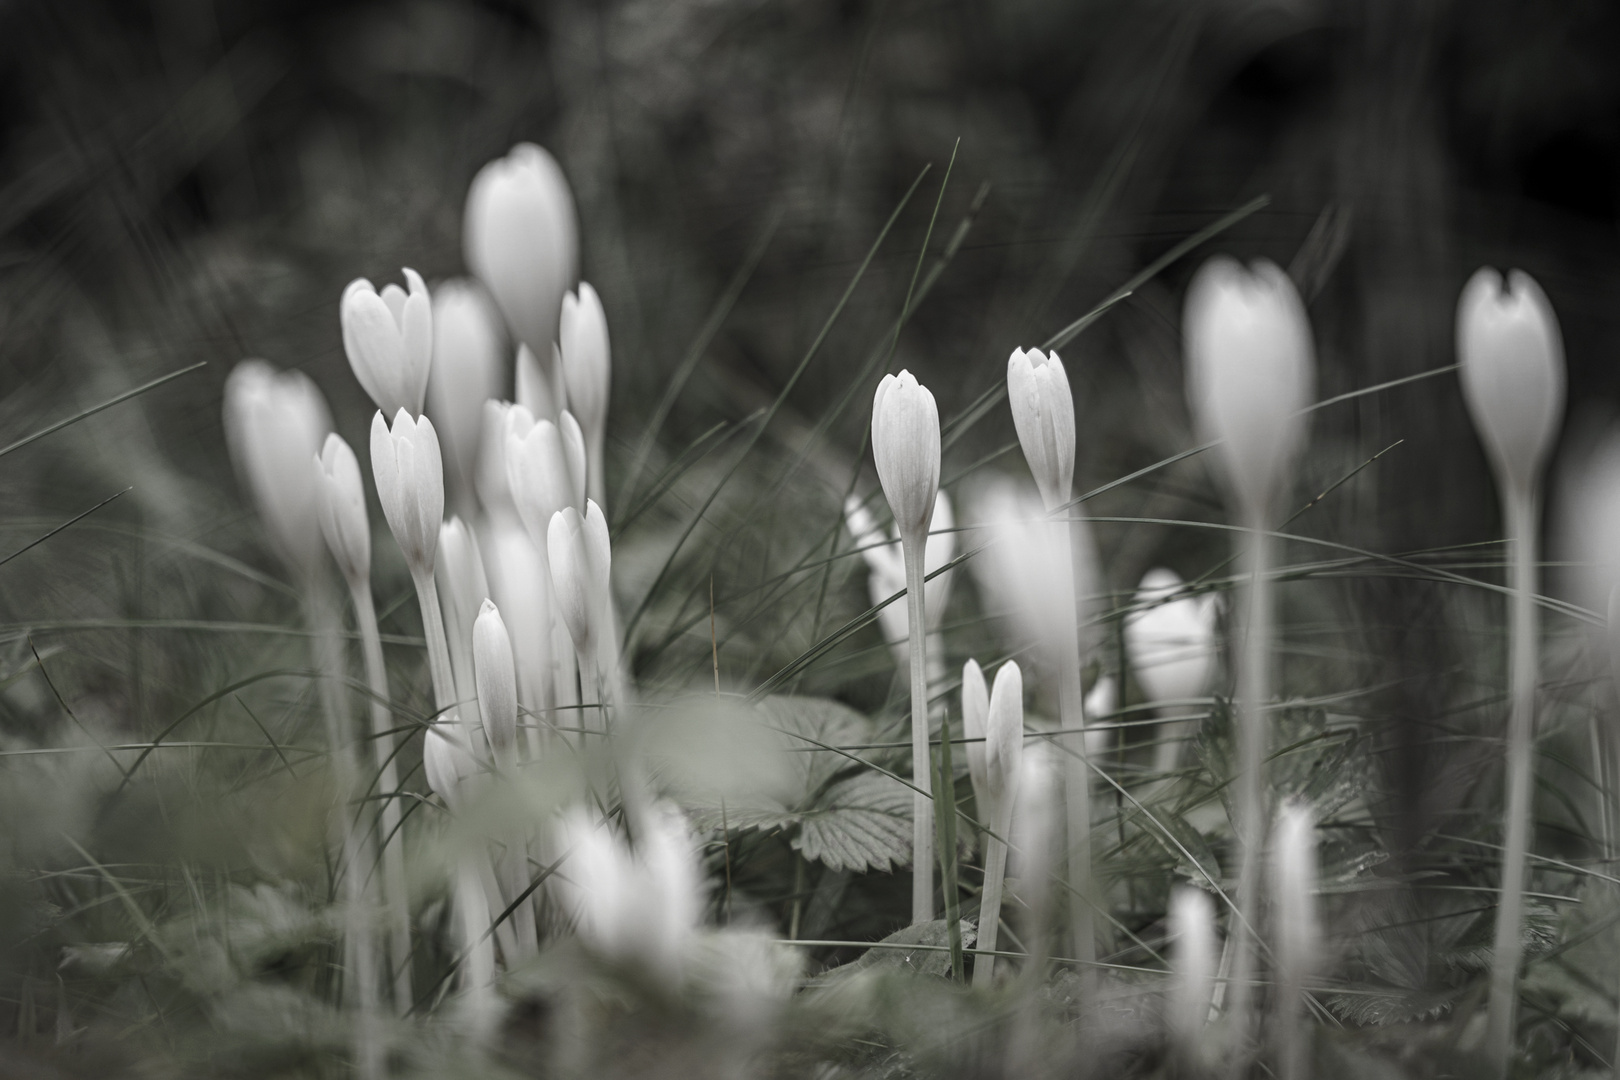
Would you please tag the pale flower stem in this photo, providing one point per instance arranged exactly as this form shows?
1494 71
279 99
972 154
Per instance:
438 646
1254 690
995 876
1077 771
590 682
396 898
359 951
1508 949
922 805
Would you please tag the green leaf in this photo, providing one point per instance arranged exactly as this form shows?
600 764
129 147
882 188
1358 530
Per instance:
862 822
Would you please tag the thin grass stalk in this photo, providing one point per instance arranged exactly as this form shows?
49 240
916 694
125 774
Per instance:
922 804
396 899
995 876
946 818
1254 690
1077 771
1508 949
438 646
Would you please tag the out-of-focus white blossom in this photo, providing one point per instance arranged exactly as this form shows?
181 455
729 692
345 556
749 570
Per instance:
581 563
447 759
275 422
886 569
468 370
587 369
340 502
496 678
389 341
458 574
1171 642
545 468
1192 970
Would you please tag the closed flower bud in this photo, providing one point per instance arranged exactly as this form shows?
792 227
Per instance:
586 363
1043 414
521 239
1004 731
458 574
389 340
545 467
581 561
275 423
905 445
1171 642
1512 358
975 718
447 760
340 500
1192 970
497 683
1250 372
409 473
468 370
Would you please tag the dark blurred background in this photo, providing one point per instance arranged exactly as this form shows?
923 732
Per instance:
186 180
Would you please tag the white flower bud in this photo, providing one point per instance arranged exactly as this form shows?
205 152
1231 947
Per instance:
1251 370
1293 894
905 445
521 239
458 573
1043 414
581 561
467 371
1004 731
887 569
409 473
389 340
586 363
1024 573
340 500
1512 357
275 423
1171 642
1192 967
519 584
975 718
447 760
545 467
497 683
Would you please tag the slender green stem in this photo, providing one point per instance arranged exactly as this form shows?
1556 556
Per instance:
995 875
1254 690
1509 942
946 817
1077 771
396 898
922 804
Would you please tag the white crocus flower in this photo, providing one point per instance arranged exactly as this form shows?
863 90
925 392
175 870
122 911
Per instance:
469 360
340 500
1250 372
389 341
1043 414
545 468
906 448
409 472
447 760
521 239
1192 973
1171 643
996 717
587 369
462 587
1295 931
496 678
581 562
275 422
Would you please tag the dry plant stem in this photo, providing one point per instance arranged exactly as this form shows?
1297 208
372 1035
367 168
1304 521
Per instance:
359 950
438 646
1508 949
995 874
922 804
1077 770
396 900
1254 690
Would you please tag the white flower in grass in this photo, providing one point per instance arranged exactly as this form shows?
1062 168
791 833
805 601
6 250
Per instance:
905 446
1171 642
545 468
587 360
1192 969
634 907
1251 370
462 587
409 472
1512 357
340 500
275 422
448 761
1043 414
995 716
497 683
469 360
1293 893
886 568
520 238
389 340
1024 571
581 563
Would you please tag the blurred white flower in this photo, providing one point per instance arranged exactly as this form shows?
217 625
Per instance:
447 759
496 679
389 341
1101 699
1025 570
1035 828
545 468
905 446
458 574
1295 932
340 500
1192 970
409 473
587 368
886 569
997 717
1043 414
1251 370
275 422
1512 358
520 238
469 361
1171 642
745 976
581 562
638 908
